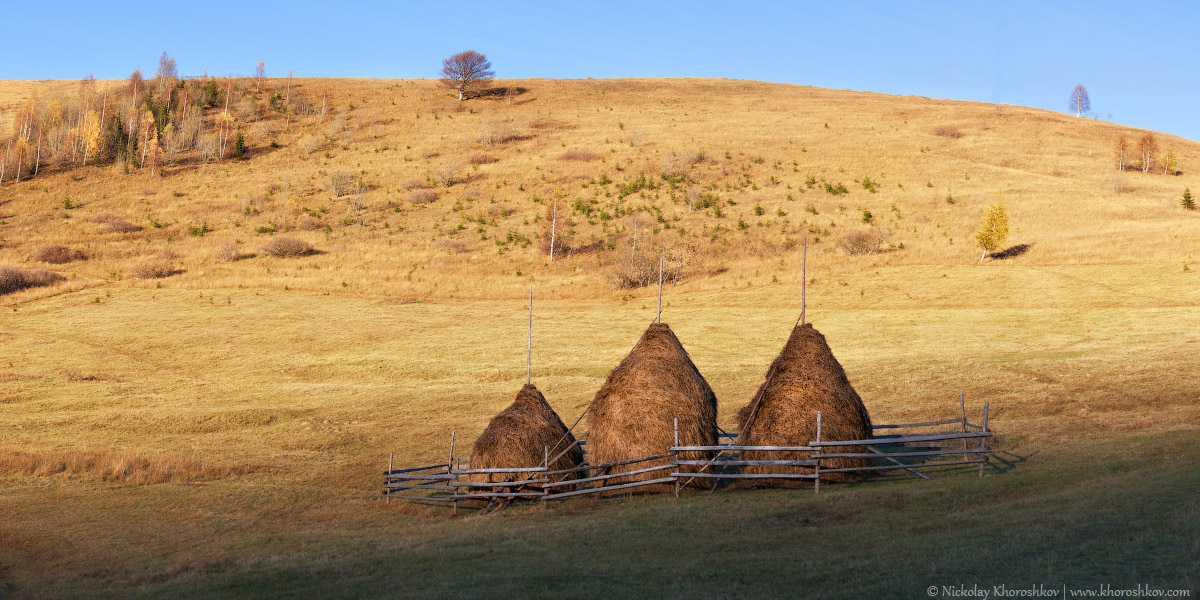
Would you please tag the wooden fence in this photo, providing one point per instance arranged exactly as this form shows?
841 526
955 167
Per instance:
958 443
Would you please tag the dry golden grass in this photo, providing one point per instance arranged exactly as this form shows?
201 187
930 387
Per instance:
113 467
410 325
1053 168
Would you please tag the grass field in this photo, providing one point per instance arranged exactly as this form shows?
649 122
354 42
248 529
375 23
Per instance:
221 431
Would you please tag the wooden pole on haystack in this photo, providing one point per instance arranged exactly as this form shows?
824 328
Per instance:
804 281
799 321
658 318
529 342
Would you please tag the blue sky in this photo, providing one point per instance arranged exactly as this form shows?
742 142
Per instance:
1137 60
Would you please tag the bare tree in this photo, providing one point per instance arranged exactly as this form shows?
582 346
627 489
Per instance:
287 102
447 171
466 73
1079 100
135 86
165 77
259 72
1147 148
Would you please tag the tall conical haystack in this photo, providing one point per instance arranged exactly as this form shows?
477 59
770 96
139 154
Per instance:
633 414
518 438
805 378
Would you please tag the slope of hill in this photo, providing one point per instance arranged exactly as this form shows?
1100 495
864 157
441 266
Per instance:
735 175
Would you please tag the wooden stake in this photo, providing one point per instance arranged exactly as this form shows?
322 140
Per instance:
450 467
817 456
658 319
962 411
391 456
545 465
982 443
529 347
676 453
804 281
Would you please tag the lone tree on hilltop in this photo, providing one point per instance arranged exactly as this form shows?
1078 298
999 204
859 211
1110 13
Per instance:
1080 103
993 231
467 73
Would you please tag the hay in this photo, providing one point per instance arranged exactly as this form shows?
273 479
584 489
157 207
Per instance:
633 414
518 438
803 379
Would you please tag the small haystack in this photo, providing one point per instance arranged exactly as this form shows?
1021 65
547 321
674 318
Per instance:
633 414
805 378
518 438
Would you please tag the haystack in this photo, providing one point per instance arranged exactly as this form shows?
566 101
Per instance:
633 414
805 378
518 438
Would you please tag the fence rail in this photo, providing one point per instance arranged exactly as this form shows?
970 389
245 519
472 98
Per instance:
451 482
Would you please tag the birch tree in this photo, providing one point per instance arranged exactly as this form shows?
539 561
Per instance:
1147 148
1120 151
1080 103
993 230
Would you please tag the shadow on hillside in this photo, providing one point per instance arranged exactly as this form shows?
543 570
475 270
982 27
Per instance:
1012 252
501 92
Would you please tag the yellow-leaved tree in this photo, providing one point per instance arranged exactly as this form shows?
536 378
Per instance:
993 230
90 134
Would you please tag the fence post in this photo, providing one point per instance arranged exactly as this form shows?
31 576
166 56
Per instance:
983 440
387 479
962 411
817 458
546 465
675 456
450 471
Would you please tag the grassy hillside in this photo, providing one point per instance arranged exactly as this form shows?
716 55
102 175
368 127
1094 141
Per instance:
221 429
747 148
